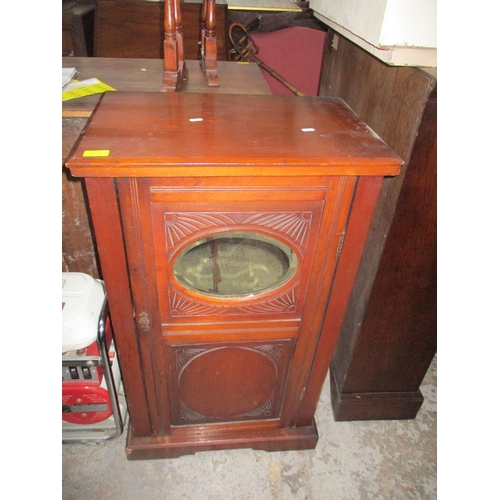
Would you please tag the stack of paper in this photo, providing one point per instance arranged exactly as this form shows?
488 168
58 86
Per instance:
68 74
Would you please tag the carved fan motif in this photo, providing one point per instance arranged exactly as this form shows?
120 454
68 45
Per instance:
189 415
182 356
273 351
264 411
295 225
181 305
285 303
180 225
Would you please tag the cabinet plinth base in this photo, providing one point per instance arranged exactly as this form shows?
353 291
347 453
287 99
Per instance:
299 438
374 405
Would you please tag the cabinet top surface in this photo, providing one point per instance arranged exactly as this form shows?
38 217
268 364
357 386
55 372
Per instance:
176 134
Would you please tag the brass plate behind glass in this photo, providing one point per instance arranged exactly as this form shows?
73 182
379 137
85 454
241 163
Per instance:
235 264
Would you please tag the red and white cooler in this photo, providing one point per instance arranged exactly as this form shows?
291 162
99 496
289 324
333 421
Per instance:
94 407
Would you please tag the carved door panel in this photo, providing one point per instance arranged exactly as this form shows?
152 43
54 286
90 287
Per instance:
222 382
224 275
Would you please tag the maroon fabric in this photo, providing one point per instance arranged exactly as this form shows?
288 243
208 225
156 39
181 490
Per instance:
296 54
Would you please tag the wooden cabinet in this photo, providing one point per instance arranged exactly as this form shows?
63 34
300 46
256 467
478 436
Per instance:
220 222
385 347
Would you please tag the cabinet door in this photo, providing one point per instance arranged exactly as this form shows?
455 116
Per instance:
228 284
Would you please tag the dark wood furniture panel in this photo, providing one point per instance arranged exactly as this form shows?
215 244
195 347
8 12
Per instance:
388 338
77 30
136 29
200 395
180 200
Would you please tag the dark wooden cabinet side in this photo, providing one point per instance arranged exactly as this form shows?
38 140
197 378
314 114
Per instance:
388 337
77 29
135 29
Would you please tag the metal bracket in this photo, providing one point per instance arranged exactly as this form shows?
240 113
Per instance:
144 322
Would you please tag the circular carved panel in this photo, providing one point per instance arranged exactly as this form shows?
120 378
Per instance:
228 382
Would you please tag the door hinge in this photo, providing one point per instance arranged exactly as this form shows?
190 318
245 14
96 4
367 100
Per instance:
341 243
144 322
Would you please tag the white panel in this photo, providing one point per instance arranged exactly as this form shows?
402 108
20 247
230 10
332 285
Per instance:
399 32
363 17
410 23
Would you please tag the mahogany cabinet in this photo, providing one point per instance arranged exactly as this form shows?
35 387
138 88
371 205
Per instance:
220 222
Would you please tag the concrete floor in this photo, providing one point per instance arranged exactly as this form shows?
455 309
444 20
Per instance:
353 460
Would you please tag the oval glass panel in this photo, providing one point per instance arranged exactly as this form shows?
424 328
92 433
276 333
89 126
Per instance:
235 264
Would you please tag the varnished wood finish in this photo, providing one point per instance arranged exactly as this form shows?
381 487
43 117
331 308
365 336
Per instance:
174 69
208 46
78 248
270 135
388 337
135 29
362 210
77 30
212 438
216 372
145 75
102 199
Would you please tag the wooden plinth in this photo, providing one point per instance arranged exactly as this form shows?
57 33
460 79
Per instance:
188 443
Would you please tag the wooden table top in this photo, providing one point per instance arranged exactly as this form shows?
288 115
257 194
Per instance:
176 134
145 75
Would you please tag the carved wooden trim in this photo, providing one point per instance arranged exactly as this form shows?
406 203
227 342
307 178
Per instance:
264 411
189 415
183 305
183 356
296 226
285 303
182 226
178 226
271 351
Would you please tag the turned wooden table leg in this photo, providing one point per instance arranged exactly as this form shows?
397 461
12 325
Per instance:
202 31
180 41
173 48
209 44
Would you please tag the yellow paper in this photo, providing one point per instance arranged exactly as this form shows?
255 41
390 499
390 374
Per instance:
77 89
96 152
